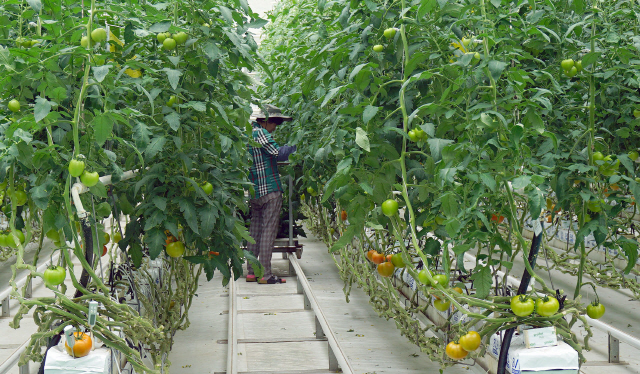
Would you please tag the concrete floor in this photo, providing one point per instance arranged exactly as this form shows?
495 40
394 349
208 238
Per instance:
373 345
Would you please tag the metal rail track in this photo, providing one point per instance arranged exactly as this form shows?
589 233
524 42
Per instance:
337 358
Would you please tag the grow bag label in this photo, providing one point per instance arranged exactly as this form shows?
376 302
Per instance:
560 359
542 337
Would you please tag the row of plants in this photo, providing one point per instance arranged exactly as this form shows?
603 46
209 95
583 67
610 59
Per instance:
94 89
451 124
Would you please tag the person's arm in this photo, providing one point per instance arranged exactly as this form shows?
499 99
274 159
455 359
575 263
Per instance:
285 151
266 140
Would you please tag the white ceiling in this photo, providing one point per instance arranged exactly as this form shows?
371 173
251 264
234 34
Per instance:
261 7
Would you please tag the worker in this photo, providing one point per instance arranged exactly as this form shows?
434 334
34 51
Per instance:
266 203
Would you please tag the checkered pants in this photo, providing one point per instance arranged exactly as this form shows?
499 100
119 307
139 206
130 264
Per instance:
265 220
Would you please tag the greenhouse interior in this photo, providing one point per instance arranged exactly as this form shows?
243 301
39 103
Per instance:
319 186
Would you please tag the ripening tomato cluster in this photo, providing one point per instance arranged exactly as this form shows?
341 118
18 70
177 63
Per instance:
467 343
8 240
387 264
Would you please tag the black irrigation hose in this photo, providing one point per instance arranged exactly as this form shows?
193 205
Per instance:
524 283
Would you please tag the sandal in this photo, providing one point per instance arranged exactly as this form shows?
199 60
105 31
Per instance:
272 280
251 278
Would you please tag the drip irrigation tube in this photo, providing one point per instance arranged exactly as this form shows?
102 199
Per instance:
526 278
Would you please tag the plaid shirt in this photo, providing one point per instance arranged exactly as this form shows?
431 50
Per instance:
264 171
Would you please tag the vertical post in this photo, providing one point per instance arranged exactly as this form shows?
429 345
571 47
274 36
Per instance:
290 211
29 291
300 289
333 362
307 303
319 331
5 308
614 350
24 369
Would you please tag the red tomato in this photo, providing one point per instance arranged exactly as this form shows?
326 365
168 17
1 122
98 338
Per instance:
378 258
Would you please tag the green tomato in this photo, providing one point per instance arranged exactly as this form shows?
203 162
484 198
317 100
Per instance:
636 113
390 208
180 38
522 305
441 279
55 275
76 167
567 64
466 42
412 135
397 260
14 106
420 133
84 41
441 305
378 48
175 249
53 234
20 197
547 306
595 310
423 277
98 35
169 44
3 240
633 155
207 188
161 37
477 55
598 156
578 65
89 179
117 237
390 33
571 72
311 191
172 100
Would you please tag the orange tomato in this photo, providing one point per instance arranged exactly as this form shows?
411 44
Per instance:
343 215
389 258
378 258
386 269
495 218
82 345
370 254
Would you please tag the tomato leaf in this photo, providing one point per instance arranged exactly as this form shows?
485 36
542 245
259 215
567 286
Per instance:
189 213
42 108
208 217
242 232
35 4
496 68
345 238
155 240
482 282
590 58
369 112
362 139
436 145
102 127
174 77
173 119
536 202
